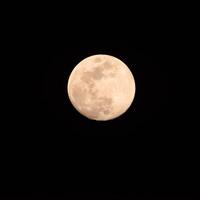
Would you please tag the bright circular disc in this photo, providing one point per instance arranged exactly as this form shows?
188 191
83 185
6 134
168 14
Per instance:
101 87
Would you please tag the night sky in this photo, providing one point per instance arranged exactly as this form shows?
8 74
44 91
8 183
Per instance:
50 147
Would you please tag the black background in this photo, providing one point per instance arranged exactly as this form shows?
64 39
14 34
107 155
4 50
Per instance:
49 146
98 196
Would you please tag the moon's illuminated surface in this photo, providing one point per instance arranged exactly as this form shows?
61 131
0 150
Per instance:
101 87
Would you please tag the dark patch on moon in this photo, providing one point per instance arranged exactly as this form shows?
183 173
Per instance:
100 105
97 60
97 73
86 78
107 66
104 105
105 101
106 112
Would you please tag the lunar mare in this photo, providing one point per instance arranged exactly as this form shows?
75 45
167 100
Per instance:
101 87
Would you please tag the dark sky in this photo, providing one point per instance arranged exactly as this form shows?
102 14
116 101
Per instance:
49 146
98 196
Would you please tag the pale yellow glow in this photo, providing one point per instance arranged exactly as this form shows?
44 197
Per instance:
101 87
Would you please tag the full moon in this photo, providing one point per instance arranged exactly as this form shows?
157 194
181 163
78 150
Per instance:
101 87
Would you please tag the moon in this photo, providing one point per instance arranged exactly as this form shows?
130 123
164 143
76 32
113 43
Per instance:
101 87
